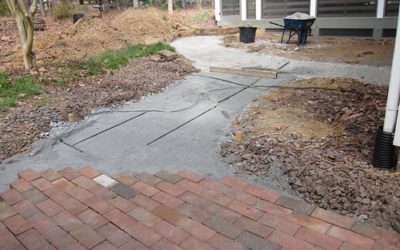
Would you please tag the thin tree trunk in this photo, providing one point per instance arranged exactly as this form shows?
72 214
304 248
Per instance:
42 10
24 19
170 7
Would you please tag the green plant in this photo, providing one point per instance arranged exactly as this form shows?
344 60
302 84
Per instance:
4 11
13 90
63 9
202 16
125 3
164 5
67 74
115 58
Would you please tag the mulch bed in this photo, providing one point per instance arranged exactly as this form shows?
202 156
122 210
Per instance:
21 126
334 172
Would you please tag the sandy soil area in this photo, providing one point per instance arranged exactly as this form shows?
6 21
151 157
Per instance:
342 50
63 42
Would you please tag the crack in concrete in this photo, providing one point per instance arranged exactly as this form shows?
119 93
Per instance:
109 128
204 112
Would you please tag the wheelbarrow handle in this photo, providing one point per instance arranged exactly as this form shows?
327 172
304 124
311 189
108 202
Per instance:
277 24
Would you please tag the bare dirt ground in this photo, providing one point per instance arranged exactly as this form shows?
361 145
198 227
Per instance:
340 50
63 42
29 121
320 133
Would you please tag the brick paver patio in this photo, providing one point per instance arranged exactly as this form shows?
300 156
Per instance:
83 209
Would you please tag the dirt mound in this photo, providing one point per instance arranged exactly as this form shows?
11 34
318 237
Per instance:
89 36
144 25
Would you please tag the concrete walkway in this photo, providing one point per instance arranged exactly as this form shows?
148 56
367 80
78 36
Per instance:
179 128
207 51
85 209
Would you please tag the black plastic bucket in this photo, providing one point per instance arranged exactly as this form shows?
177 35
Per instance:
77 16
247 34
383 150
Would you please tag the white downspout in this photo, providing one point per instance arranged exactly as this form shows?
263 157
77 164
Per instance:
243 9
313 7
380 12
217 10
394 87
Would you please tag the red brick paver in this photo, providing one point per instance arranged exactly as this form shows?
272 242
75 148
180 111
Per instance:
68 209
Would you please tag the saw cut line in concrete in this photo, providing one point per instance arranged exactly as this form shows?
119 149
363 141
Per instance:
205 112
71 146
164 111
174 129
107 129
143 112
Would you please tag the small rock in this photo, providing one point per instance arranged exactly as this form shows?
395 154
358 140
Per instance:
73 117
238 136
5 39
168 55
156 58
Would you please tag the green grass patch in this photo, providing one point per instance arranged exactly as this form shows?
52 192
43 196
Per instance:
202 16
16 89
67 74
108 60
114 59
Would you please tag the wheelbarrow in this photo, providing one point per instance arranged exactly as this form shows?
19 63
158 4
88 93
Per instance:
301 27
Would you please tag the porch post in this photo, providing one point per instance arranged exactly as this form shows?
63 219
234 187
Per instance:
217 10
313 7
380 12
258 9
243 9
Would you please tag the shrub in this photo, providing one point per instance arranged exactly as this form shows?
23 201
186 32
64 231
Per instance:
202 16
62 10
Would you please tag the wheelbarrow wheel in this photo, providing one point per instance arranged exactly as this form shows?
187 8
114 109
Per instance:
302 37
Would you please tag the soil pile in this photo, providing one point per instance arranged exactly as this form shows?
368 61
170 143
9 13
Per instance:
145 25
87 37
331 166
299 16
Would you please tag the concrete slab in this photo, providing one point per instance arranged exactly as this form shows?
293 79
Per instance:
188 138
178 128
208 51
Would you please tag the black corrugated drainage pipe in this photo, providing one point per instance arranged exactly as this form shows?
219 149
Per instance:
384 156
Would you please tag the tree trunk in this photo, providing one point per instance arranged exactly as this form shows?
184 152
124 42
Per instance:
42 10
24 19
183 2
135 3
